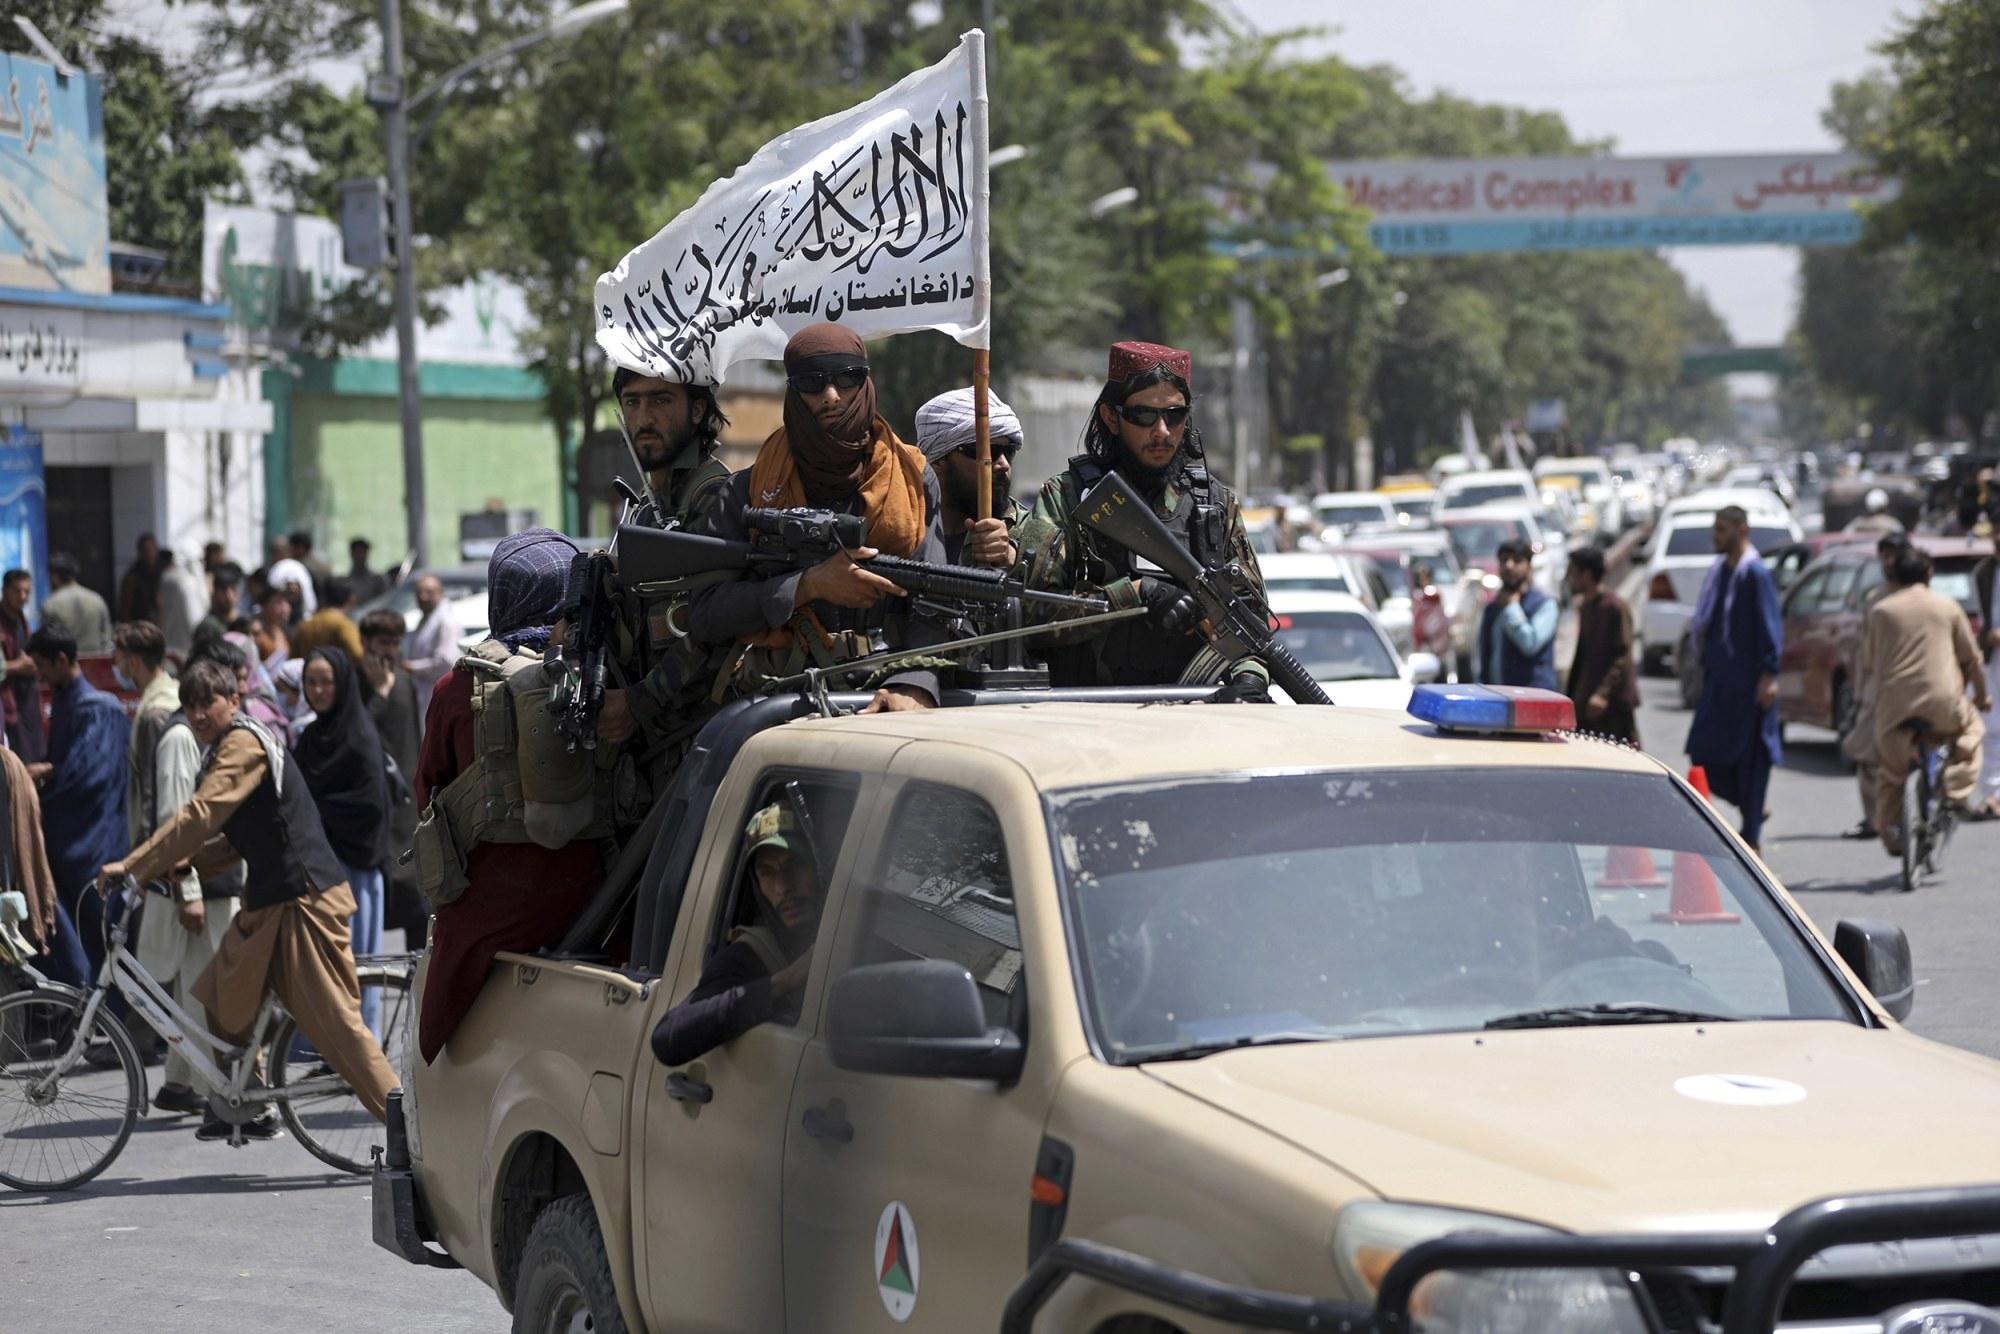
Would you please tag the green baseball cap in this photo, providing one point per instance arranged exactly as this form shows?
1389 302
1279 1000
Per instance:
773 826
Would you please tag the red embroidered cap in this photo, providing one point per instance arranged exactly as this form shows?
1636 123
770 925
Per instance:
1130 359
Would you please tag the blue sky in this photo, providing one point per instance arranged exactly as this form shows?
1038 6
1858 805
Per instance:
1656 76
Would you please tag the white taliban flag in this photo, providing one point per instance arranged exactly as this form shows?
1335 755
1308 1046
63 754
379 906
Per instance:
874 218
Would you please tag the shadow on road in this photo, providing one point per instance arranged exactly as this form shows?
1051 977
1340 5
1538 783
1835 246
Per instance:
235 1183
1891 883
1820 761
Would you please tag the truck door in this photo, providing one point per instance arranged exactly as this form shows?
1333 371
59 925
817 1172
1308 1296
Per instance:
712 1166
907 1199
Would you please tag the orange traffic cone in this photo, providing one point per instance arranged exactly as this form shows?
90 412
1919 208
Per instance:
1697 899
1698 780
1630 868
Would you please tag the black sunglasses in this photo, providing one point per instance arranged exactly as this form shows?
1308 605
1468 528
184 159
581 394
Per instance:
1000 449
1173 417
815 382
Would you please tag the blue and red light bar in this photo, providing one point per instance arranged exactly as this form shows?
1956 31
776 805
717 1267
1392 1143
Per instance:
1475 708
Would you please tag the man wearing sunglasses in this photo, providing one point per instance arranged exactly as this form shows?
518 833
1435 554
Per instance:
834 452
673 427
1141 428
946 434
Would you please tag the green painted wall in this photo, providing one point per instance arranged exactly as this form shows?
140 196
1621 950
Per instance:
486 438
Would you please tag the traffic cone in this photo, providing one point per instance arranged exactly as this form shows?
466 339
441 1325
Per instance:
1697 899
1630 868
1698 780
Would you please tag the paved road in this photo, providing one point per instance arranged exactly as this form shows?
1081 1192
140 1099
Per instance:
184 1236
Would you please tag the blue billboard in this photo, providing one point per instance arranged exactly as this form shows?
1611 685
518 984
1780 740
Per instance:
24 508
55 231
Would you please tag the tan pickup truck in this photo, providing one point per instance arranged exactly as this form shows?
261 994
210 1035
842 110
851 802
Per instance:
1130 1017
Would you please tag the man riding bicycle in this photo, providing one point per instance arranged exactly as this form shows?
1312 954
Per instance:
292 932
1918 653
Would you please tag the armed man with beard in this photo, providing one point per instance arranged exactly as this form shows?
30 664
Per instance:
673 428
1141 428
834 452
945 433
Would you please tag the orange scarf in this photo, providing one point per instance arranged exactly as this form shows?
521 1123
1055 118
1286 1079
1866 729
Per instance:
892 489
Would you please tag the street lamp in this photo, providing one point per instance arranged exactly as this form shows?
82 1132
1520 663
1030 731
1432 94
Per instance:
386 95
1119 198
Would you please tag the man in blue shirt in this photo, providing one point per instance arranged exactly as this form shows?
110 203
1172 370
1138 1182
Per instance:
1517 629
1741 630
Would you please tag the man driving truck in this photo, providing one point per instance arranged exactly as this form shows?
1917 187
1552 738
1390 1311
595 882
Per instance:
761 970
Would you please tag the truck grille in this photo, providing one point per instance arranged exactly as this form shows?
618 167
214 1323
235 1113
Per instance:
1845 1289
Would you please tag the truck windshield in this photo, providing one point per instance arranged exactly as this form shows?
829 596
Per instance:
1211 913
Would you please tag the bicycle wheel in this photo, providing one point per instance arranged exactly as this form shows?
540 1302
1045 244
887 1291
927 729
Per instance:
1941 824
334 1127
57 1131
1915 829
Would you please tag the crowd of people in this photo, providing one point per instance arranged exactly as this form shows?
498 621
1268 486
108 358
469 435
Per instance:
264 691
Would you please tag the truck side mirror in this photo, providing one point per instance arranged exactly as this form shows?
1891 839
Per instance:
919 1017
1879 954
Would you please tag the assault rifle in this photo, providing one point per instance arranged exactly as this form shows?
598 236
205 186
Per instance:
798 539
1237 630
576 693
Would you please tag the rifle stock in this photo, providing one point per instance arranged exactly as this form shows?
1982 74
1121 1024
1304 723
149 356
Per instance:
654 555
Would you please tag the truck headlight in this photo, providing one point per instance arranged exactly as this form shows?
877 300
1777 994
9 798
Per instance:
1371 1235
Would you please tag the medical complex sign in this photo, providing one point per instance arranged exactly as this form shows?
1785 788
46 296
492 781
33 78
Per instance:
1471 205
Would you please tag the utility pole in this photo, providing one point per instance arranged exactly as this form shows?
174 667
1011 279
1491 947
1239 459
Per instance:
392 100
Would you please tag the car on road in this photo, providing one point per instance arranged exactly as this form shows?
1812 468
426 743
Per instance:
1395 557
1476 535
1678 557
1639 490
1339 513
464 591
1324 572
1823 611
1599 487
1348 651
1754 476
1146 1017
1470 490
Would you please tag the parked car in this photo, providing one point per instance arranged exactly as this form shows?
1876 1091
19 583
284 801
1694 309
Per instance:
1682 552
1349 651
1823 610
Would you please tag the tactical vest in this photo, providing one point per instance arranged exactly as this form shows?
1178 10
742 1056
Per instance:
1135 652
277 832
524 785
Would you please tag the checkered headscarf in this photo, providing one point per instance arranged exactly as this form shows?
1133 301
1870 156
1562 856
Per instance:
525 582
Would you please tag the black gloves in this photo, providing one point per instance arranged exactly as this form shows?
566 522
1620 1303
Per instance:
1243 688
1167 607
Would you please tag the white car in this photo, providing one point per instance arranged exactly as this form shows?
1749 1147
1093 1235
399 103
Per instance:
1598 485
1323 572
464 592
1469 490
1638 491
1345 648
1683 549
1768 477
1339 513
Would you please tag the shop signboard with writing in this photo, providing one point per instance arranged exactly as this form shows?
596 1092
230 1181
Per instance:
55 231
1475 205
41 352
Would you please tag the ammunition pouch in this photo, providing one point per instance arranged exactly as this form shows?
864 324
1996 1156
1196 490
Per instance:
524 785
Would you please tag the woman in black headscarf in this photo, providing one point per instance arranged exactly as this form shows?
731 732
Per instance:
340 754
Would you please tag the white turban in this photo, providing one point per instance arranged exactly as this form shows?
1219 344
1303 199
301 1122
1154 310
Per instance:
945 423
287 572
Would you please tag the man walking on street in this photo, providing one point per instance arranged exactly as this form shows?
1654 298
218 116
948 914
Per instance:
1602 682
1917 651
366 583
20 694
183 601
1517 629
945 433
431 649
291 937
74 609
82 782
1740 635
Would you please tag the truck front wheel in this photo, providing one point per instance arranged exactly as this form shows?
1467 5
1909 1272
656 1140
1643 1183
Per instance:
564 1283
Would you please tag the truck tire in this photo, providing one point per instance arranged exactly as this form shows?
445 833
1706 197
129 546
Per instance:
564 1283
